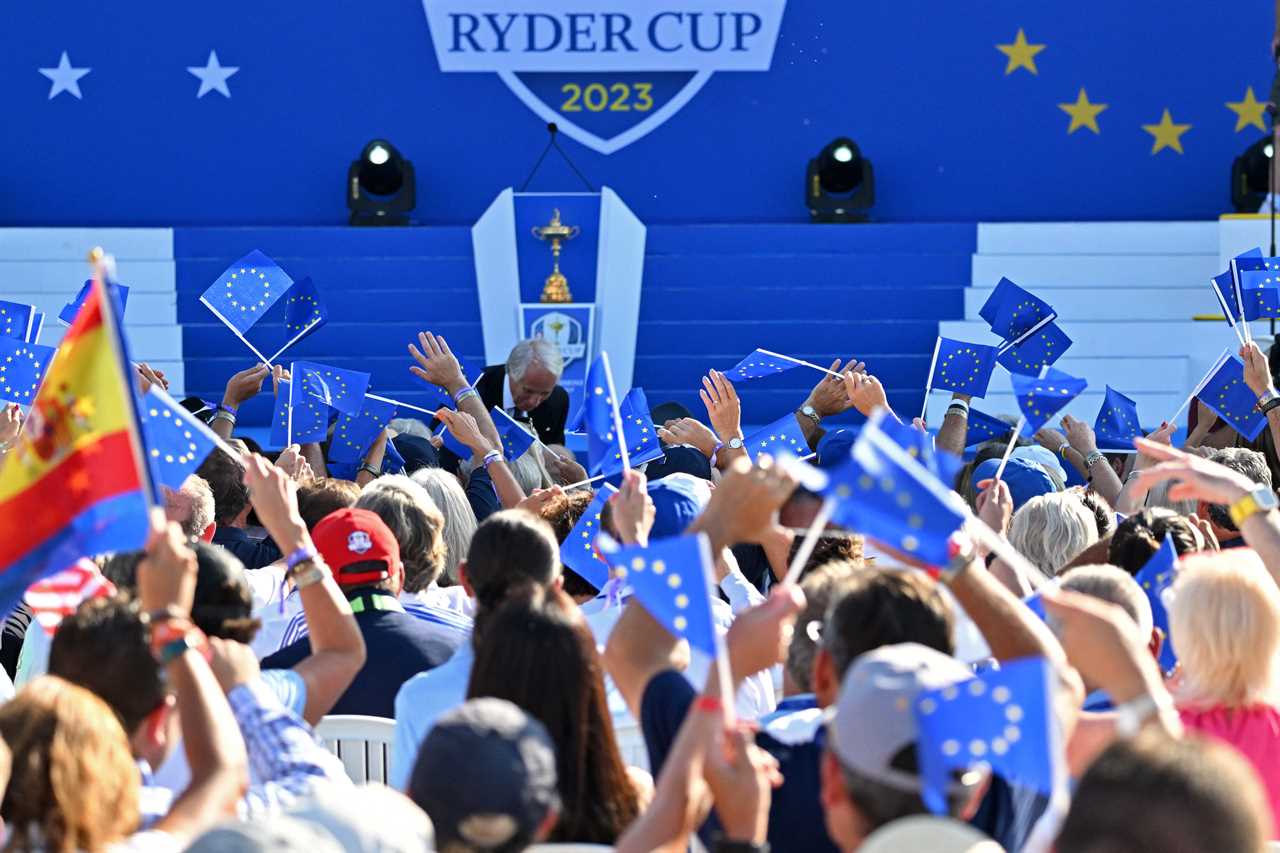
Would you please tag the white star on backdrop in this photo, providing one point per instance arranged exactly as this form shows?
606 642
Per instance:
65 77
213 77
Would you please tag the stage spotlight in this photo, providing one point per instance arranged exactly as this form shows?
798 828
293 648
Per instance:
380 186
1250 176
840 184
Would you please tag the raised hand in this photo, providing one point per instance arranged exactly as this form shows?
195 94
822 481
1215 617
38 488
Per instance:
723 407
244 385
995 505
744 506
436 363
829 396
741 776
691 432
466 430
274 495
148 376
1257 373
1050 439
167 574
1079 435
10 425
232 663
294 464
633 509
1196 479
539 499
865 392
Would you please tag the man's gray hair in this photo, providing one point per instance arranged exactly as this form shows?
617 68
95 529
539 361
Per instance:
1115 586
196 493
1242 460
538 350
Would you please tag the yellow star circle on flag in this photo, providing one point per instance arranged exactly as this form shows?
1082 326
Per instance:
1167 134
1248 111
1021 53
1083 113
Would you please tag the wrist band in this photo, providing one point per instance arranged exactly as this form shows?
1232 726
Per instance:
223 407
164 614
491 456
715 451
710 704
306 552
469 391
1093 459
1273 403
959 407
369 469
1131 476
223 415
308 573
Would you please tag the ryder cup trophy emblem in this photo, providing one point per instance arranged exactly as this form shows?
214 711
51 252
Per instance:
556 288
563 331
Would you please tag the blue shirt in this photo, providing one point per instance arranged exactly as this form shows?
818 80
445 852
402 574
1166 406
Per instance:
254 553
421 701
788 706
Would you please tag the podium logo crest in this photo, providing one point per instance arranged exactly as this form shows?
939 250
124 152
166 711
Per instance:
606 73
563 331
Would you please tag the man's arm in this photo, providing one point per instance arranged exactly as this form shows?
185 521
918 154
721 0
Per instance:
437 364
954 433
724 410
1257 375
827 399
485 454
241 388
1098 471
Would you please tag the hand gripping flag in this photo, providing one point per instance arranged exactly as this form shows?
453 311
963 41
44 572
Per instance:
1011 311
1225 391
177 442
760 363
516 440
336 387
119 294
75 484
22 369
1155 578
246 290
963 367
1041 399
983 427
783 435
16 320
1039 349
1003 719
578 551
298 418
353 435
1117 423
672 579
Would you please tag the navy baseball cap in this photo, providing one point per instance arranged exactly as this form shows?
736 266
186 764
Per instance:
677 501
1025 479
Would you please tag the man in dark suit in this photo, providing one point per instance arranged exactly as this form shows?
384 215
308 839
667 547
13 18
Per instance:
527 388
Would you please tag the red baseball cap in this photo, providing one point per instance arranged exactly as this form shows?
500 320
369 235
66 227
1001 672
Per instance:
349 536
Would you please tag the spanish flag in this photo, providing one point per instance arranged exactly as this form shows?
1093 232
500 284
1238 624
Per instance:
75 484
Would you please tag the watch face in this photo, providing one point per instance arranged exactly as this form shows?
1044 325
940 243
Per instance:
735 443
809 410
1265 498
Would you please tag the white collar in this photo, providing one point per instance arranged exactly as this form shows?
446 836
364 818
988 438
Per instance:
508 402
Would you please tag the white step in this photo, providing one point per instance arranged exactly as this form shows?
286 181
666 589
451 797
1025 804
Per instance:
1092 303
144 307
1120 339
1098 238
1051 271
66 277
146 342
73 244
1152 408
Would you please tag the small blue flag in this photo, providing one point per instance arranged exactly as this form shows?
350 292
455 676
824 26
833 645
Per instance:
1117 423
176 441
1224 289
1040 350
37 326
601 417
1155 578
516 439
310 417
119 292
304 311
920 447
782 436
1041 399
392 461
22 368
672 579
353 435
759 363
16 319
881 491
1260 290
1011 312
963 367
246 290
639 433
1002 718
1227 394
983 427
336 387
578 552
452 444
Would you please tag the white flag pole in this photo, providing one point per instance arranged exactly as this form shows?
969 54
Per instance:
1214 368
1235 283
292 340
802 362
810 540
236 332
1231 320
928 383
617 416
1008 451
1008 345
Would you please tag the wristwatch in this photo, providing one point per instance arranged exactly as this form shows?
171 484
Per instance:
811 413
734 443
1261 499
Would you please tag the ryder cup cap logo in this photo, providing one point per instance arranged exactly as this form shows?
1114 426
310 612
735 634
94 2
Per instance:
607 73
359 542
563 331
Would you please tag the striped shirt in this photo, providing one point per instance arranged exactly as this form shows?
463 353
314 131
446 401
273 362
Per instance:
448 626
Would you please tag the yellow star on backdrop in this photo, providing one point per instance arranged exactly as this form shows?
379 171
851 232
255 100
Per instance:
1083 113
1021 54
1166 133
1248 112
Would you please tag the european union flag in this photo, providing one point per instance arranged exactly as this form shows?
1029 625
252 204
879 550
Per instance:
304 311
37 326
336 387
883 492
759 363
1001 718
1041 399
119 293
983 427
1039 350
452 443
22 367
671 579
601 418
638 432
1155 578
246 290
1117 423
516 439
578 552
963 367
354 434
15 320
1260 291
1224 289
1227 394
176 441
784 434
1011 312
310 418
920 447
392 461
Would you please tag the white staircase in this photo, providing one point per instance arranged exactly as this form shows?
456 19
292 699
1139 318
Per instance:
1125 292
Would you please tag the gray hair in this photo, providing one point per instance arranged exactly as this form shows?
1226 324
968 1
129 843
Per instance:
413 518
1242 460
539 350
198 495
1050 530
820 586
409 426
459 518
1116 586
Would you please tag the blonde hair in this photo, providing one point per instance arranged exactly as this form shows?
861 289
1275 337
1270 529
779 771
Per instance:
459 518
1050 530
1224 620
74 785
415 521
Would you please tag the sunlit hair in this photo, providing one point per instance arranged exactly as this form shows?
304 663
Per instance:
1114 586
74 785
459 518
418 525
538 350
1224 620
1049 530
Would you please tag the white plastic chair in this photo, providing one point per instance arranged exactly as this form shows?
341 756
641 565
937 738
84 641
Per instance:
363 744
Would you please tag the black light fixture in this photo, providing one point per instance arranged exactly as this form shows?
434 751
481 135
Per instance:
380 186
1250 175
840 184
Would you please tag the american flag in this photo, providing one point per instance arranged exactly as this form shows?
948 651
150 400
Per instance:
59 595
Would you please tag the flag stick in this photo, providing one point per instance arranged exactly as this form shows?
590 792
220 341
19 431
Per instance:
1008 451
585 482
292 341
1231 320
810 540
727 698
802 362
1008 345
397 403
617 416
236 332
928 383
1235 283
288 431
1226 353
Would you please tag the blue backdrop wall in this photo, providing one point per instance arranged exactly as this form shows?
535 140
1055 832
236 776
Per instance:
141 125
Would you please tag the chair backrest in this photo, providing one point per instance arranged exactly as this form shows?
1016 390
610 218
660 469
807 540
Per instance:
363 744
